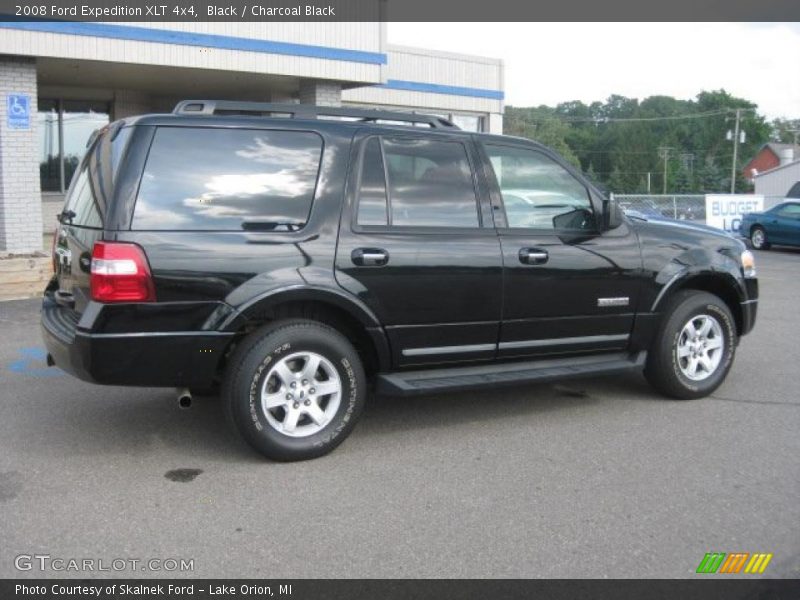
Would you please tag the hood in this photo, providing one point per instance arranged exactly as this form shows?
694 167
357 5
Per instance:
676 224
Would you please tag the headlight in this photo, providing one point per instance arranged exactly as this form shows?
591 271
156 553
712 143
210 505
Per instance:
748 264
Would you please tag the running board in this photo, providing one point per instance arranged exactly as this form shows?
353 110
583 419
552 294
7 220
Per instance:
405 383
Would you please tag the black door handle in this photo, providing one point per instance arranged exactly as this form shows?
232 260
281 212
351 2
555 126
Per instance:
369 257
533 256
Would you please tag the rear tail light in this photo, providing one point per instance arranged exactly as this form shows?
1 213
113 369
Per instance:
120 273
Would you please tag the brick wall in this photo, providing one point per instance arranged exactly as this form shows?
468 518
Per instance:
20 197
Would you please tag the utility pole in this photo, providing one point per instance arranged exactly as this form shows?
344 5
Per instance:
795 133
663 152
735 150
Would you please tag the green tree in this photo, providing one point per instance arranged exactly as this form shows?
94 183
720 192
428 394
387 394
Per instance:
618 140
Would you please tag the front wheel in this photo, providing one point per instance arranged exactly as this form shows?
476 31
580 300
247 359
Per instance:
694 348
294 389
758 237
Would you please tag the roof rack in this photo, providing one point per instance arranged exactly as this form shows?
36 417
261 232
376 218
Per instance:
305 111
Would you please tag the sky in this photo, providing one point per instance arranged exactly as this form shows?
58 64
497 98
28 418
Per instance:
548 63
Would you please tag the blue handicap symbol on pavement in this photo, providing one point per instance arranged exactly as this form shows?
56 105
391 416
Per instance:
18 111
34 362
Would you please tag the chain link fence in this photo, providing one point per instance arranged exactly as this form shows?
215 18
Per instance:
690 207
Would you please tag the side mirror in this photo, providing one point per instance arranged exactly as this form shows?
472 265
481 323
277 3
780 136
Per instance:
612 214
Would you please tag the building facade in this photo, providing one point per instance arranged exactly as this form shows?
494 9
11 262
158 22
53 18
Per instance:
776 183
60 81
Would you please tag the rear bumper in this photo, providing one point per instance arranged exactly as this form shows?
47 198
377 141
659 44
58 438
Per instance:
157 359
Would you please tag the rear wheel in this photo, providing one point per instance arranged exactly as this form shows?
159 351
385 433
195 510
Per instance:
694 348
758 237
294 389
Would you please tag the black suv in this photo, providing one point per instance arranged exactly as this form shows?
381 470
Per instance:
299 256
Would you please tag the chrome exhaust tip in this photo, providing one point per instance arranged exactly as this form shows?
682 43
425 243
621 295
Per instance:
184 398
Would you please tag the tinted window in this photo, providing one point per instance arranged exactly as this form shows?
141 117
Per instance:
372 189
794 191
228 179
92 187
539 193
430 184
83 202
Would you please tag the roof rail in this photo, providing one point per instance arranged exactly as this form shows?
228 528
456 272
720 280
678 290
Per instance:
305 111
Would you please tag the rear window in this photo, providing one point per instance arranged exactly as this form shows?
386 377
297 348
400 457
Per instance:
92 186
228 179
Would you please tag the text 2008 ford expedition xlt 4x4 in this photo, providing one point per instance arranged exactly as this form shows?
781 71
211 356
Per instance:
300 261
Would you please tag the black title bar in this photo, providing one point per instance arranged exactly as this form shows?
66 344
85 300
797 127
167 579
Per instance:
708 588
402 10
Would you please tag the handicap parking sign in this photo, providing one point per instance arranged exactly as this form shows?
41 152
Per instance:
18 111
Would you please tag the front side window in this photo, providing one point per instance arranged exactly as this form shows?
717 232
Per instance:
228 179
538 193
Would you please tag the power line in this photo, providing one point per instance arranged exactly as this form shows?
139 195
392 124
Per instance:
601 120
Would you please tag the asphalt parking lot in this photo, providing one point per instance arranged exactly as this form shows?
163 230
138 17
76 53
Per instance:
592 478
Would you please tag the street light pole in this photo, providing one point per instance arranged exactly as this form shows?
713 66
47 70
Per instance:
735 150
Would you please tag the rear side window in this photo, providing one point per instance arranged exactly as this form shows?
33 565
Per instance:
92 186
228 179
416 183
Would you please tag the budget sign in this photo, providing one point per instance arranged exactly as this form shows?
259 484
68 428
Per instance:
725 211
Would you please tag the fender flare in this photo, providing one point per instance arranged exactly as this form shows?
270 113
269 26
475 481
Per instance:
686 275
351 305
300 292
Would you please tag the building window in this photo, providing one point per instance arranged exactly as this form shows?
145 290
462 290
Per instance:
64 128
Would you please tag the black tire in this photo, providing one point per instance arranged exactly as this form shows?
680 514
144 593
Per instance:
758 238
663 369
250 365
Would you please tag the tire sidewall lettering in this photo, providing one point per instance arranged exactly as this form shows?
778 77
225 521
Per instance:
340 422
728 353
